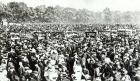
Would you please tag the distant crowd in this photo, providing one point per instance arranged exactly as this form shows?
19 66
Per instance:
62 58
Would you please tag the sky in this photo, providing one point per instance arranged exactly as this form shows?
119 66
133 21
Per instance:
93 5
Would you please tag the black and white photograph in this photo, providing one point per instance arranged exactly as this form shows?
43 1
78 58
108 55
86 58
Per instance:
69 40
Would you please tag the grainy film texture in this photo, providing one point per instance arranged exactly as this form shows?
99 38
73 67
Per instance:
69 40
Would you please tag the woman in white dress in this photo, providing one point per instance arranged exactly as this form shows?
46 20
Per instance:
77 68
3 73
51 74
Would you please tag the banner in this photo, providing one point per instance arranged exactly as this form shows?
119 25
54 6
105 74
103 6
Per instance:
91 34
57 33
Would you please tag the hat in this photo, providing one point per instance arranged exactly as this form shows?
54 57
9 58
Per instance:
30 45
54 51
107 60
40 47
62 56
23 54
35 73
103 50
26 68
124 71
33 50
12 51
136 50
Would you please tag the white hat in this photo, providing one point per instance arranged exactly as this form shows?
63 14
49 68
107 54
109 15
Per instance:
54 51
12 51
107 60
62 56
33 50
40 47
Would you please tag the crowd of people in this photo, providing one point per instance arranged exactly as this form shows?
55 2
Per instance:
67 27
62 58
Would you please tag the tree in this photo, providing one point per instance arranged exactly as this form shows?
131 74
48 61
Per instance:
107 16
40 12
19 11
116 17
49 14
127 16
4 12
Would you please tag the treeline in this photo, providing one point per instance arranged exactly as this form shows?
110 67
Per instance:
17 12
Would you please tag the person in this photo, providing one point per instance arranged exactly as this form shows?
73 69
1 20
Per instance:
125 76
85 75
135 77
77 69
54 58
52 74
3 72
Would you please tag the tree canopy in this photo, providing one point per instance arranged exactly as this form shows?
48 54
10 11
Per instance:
19 12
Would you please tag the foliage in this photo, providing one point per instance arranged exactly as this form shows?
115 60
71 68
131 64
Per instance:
20 12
